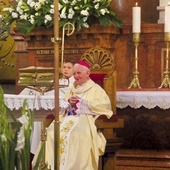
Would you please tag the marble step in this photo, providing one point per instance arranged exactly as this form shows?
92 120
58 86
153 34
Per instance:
143 160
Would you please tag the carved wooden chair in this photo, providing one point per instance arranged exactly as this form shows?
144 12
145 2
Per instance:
103 72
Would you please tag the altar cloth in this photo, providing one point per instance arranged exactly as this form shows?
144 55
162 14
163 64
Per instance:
35 102
133 99
147 99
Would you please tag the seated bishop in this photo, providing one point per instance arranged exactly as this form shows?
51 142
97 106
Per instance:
81 143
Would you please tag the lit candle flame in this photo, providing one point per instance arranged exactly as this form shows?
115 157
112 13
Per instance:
136 4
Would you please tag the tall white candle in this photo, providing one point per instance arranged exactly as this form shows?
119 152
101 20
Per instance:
136 19
167 19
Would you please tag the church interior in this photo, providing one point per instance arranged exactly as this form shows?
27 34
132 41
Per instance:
139 137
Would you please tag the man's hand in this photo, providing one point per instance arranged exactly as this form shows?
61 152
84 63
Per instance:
73 100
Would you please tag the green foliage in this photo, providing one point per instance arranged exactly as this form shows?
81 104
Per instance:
33 13
4 31
14 137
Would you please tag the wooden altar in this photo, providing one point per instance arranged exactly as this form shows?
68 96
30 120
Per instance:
37 50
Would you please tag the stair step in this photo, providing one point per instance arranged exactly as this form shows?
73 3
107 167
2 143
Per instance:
146 163
142 160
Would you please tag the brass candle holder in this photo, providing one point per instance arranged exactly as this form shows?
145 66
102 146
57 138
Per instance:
43 164
166 81
135 82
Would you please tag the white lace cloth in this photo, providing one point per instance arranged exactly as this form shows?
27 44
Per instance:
147 99
134 99
82 107
34 102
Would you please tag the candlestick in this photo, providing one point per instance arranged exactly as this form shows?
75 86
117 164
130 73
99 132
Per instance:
167 18
135 81
136 19
42 164
166 79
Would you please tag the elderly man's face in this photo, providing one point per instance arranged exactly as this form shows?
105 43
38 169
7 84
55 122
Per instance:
81 74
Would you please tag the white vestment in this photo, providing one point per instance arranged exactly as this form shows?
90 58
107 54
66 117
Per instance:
80 142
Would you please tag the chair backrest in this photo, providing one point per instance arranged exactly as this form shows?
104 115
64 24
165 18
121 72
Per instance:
103 71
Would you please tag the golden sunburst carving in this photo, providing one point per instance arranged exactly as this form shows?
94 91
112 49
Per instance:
98 58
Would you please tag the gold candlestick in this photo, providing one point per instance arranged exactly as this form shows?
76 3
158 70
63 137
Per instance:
135 82
42 164
166 81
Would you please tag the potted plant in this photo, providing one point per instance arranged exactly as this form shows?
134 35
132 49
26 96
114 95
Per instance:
28 14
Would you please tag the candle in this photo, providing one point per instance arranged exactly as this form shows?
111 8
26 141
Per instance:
167 19
136 19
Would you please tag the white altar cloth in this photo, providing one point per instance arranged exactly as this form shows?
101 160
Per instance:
134 99
147 99
36 102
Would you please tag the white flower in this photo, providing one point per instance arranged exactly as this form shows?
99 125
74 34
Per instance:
14 15
29 2
19 3
103 11
37 6
11 10
3 138
32 4
51 11
24 120
85 25
73 2
65 1
32 20
25 16
70 16
63 11
20 139
7 9
42 1
71 11
47 18
97 6
84 12
52 6
63 14
19 10
59 6
85 19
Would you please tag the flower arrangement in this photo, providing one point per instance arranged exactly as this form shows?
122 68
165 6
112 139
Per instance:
29 14
14 137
